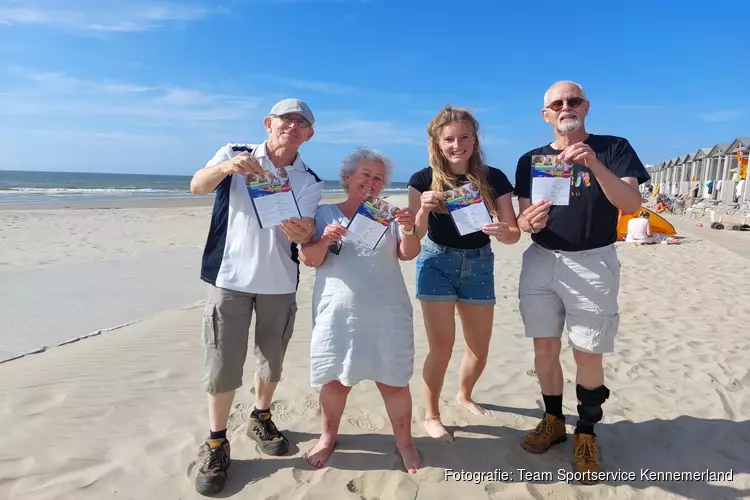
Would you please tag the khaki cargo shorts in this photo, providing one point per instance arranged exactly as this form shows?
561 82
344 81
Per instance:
577 289
226 330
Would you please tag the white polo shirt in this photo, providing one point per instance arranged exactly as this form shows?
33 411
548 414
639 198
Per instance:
241 256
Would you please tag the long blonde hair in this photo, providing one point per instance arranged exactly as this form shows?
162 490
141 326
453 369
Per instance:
443 179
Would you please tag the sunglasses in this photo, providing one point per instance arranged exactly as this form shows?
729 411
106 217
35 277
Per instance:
301 122
574 102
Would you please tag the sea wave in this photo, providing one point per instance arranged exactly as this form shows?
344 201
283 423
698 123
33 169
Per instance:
84 191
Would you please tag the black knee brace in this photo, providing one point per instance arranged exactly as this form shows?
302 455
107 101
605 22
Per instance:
591 400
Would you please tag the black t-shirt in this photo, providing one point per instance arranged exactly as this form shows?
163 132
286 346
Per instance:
440 227
590 220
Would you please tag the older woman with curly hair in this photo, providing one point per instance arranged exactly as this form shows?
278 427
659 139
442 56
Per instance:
362 313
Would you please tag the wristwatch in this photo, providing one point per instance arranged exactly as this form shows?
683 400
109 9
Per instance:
407 232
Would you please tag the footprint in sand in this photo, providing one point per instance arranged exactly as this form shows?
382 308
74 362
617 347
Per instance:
312 402
302 476
365 420
282 412
239 417
667 390
495 490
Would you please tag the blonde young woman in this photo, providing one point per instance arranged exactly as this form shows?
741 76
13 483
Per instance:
454 271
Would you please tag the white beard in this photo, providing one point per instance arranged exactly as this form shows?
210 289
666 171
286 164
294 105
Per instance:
571 124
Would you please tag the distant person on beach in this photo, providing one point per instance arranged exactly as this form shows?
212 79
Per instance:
251 270
570 274
639 229
454 271
362 315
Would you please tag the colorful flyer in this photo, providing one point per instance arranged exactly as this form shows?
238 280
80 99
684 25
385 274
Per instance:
371 221
272 197
467 208
550 179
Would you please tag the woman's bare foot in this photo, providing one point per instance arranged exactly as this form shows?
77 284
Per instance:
436 429
472 407
410 457
321 451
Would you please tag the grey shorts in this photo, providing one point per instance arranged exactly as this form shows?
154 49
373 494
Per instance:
577 289
226 331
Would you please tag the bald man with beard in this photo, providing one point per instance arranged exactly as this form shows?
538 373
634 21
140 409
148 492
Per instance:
570 276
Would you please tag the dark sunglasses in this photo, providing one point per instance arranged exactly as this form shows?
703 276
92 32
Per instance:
301 122
574 102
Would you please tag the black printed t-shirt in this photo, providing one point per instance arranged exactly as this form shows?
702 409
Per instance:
590 220
440 227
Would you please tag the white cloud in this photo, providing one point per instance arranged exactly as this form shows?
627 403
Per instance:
102 15
364 132
722 115
58 95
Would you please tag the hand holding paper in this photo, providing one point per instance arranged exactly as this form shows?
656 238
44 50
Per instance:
371 221
467 209
298 230
495 229
273 200
405 219
550 179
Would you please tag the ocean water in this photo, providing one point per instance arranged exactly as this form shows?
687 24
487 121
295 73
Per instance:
19 187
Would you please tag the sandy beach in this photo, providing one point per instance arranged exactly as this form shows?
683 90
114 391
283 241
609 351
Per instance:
120 414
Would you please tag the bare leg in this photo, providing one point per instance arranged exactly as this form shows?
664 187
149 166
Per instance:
332 403
398 405
547 365
263 392
219 406
590 372
477 326
440 325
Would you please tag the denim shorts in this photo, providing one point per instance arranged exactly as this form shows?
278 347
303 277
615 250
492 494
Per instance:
446 274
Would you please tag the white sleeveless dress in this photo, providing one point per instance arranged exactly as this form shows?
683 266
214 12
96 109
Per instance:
362 314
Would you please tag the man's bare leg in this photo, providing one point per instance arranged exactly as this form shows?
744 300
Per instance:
219 406
264 391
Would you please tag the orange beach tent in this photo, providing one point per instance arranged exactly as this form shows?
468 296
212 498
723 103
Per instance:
659 224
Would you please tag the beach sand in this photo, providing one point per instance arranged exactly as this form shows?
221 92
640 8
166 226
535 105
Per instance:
120 415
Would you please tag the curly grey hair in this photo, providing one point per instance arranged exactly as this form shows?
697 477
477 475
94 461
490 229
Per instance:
352 161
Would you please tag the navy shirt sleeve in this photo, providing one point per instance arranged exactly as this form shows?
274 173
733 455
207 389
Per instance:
523 177
625 163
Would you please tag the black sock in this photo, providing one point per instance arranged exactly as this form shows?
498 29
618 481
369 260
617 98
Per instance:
257 412
553 405
585 428
218 434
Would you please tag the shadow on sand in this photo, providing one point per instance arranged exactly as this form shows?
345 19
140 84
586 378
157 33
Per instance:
685 444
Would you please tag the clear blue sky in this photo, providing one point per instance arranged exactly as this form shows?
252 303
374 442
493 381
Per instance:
150 86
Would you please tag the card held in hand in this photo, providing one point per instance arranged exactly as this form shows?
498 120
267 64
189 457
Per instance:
272 197
467 208
550 179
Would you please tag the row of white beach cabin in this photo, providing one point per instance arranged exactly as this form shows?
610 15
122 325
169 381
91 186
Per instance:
715 170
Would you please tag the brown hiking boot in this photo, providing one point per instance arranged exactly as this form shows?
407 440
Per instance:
550 431
263 431
212 464
586 456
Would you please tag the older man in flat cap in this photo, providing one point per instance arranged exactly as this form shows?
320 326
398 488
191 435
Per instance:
250 269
